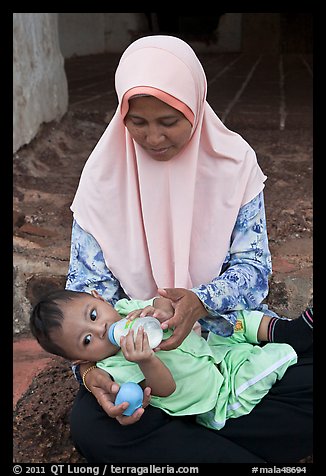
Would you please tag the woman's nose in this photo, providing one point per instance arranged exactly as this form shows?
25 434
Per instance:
154 136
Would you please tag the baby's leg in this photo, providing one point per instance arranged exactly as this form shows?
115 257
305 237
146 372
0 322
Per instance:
256 374
296 332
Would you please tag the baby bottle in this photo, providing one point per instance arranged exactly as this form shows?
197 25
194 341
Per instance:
151 326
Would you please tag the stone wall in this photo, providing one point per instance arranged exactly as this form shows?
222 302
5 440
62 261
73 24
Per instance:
40 91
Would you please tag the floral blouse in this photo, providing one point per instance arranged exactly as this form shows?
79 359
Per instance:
242 283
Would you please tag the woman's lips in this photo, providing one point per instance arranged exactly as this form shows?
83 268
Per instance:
158 151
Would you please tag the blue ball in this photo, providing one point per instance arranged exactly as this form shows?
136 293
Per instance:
133 394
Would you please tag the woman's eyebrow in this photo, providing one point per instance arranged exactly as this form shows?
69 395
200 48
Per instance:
167 116
134 115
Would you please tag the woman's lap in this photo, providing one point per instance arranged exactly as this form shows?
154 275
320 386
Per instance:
156 438
278 430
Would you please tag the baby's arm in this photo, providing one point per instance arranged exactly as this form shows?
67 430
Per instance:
162 309
157 376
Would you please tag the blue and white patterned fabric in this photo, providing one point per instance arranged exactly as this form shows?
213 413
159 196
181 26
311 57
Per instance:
242 284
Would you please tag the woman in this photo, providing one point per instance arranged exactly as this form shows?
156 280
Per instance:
170 202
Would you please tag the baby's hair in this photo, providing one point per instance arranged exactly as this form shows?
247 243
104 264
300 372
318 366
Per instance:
47 316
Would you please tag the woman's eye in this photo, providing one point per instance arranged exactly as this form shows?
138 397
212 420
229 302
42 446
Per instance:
170 123
93 315
87 339
135 121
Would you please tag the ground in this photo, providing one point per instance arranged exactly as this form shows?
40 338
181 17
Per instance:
41 419
46 174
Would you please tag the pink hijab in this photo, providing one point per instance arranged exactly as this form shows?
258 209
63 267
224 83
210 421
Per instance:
165 224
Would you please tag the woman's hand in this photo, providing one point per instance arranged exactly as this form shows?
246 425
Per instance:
105 391
187 310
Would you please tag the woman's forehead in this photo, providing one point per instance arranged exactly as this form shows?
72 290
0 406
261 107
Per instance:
150 104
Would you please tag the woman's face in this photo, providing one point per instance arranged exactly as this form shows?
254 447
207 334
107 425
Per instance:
157 127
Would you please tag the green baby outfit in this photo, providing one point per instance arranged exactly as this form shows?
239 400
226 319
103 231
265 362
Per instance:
217 378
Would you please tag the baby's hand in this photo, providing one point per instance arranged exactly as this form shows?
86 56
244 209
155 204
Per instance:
162 310
146 311
136 349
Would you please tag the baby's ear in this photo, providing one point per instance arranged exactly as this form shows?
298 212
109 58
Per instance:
96 295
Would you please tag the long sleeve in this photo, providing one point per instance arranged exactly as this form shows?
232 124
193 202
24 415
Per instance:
87 268
243 282
87 271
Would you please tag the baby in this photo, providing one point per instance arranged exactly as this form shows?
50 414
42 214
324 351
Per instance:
214 379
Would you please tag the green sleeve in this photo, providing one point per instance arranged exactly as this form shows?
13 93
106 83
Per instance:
124 306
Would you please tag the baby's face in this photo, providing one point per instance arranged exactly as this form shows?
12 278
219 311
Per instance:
86 322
